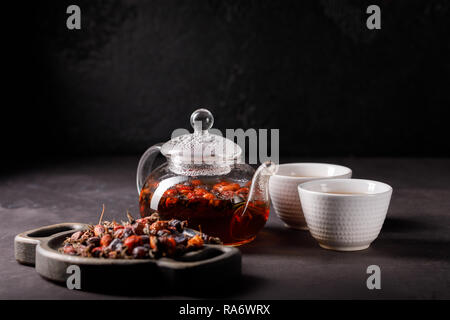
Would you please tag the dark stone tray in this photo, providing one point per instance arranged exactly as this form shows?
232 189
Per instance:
211 266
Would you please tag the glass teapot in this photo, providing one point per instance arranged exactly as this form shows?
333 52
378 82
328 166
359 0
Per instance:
205 182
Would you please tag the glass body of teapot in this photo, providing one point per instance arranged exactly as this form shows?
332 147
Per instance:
202 182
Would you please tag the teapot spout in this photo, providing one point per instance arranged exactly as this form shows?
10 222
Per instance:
259 189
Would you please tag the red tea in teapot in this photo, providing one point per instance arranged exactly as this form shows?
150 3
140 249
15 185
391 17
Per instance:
218 208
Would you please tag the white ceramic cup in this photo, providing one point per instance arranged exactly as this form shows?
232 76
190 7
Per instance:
284 193
345 214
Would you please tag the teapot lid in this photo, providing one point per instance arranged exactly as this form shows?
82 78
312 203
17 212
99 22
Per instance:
201 146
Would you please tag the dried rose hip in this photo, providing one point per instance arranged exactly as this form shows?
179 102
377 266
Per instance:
139 252
158 225
170 202
184 189
131 242
230 187
77 235
170 193
191 195
200 192
192 198
69 249
138 228
218 186
227 194
168 243
196 182
118 227
105 240
242 192
208 196
116 245
93 241
99 230
195 242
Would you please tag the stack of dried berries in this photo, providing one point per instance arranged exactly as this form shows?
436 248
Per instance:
196 191
143 238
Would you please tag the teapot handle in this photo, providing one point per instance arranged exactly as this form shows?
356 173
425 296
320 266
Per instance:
145 165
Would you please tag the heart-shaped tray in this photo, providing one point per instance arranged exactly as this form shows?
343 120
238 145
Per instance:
39 247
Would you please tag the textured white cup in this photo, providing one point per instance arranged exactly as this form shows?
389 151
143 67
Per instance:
284 193
345 222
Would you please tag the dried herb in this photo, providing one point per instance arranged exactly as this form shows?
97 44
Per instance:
144 238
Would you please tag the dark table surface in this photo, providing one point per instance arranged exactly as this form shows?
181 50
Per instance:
413 249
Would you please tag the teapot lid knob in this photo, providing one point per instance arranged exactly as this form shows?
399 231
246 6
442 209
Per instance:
202 147
201 120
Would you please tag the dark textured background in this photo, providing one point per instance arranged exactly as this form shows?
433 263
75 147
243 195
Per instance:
137 69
